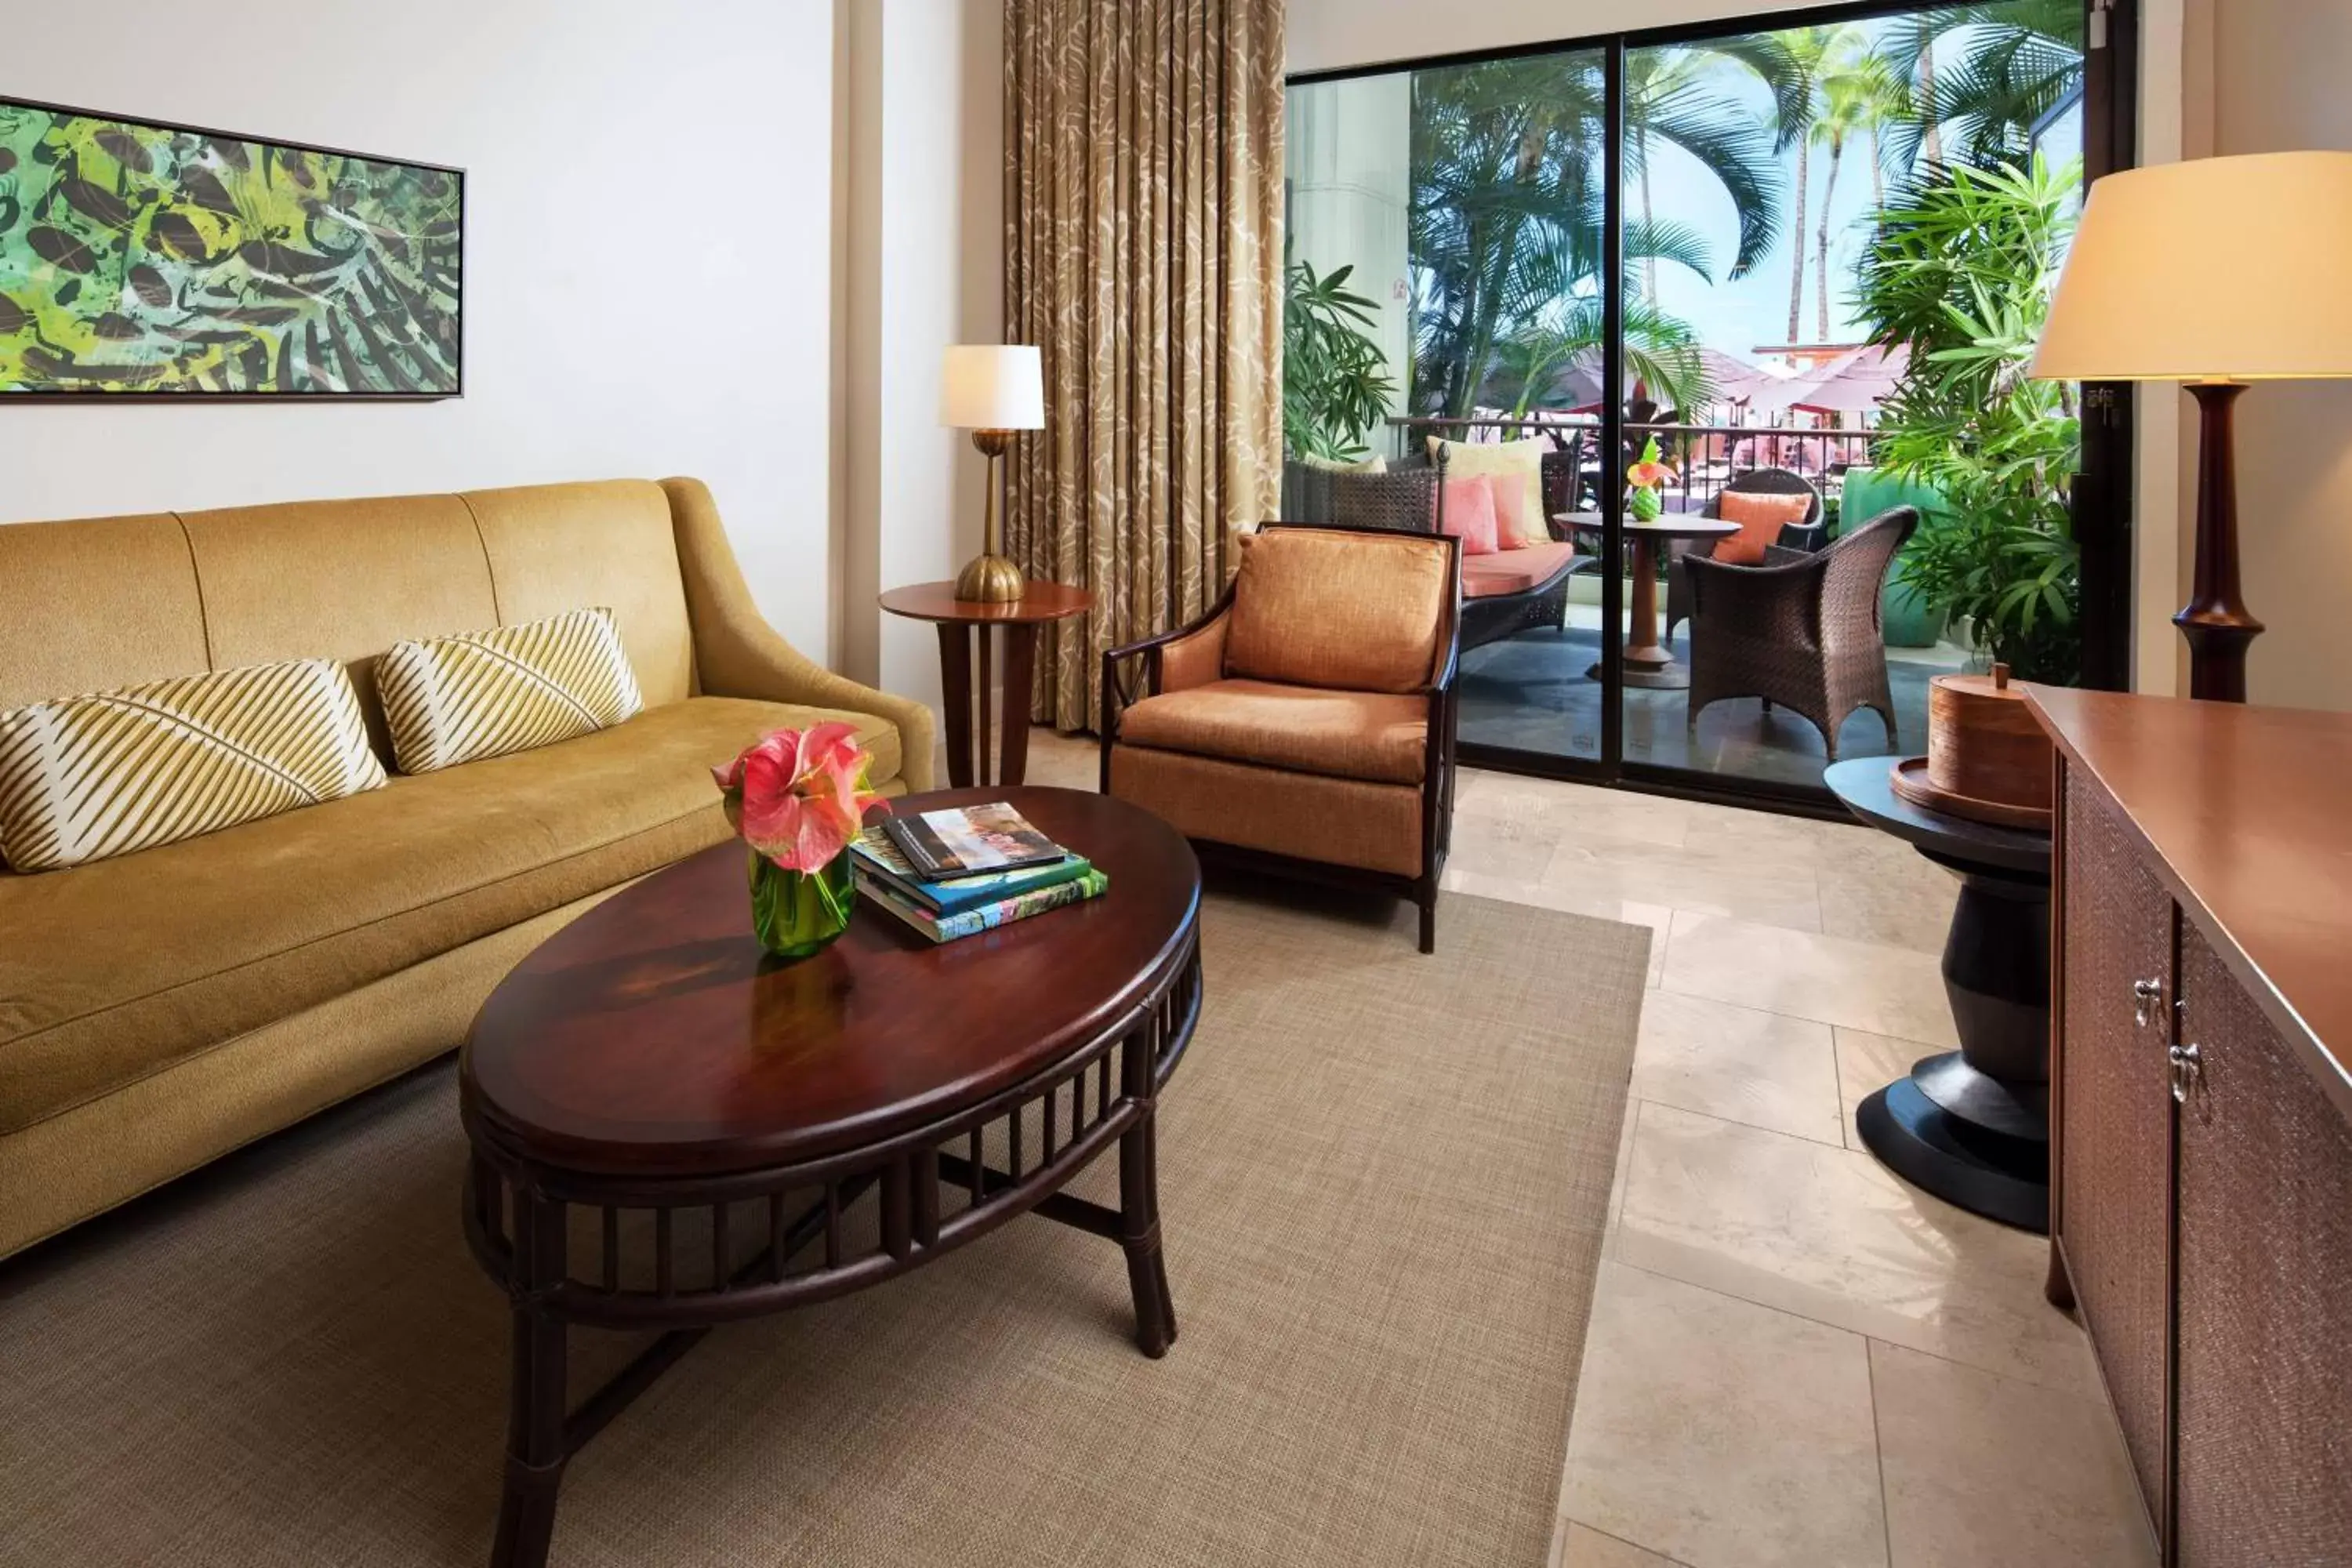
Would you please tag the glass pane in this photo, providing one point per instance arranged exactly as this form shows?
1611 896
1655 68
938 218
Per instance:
1460 210
1808 216
1805 212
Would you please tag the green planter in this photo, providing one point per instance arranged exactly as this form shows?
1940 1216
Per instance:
1908 622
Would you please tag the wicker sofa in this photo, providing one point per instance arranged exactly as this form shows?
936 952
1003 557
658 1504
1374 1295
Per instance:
161 1009
1504 592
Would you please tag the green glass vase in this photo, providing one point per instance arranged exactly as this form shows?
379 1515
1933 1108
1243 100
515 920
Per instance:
796 914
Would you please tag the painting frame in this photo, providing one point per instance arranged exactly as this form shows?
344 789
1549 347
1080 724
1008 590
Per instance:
456 387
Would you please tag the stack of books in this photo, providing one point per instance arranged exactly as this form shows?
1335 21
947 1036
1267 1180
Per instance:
956 873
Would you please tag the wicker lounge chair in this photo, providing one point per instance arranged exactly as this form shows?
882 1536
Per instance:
1801 630
1805 535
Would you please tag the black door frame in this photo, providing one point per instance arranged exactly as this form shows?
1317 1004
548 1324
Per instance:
2102 491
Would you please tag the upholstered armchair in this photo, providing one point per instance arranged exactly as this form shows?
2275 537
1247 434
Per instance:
1802 630
1305 726
1806 533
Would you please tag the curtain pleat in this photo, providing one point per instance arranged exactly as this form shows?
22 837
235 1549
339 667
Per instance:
1143 250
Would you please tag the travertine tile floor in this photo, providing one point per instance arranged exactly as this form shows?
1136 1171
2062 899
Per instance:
1794 1358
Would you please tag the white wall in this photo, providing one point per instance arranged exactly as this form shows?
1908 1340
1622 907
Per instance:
2272 81
647 265
1328 35
924 256
1349 159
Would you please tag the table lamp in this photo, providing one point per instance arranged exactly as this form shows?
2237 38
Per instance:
2216 272
992 390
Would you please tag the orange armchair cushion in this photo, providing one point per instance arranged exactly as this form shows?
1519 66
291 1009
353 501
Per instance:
1360 611
1761 518
1344 734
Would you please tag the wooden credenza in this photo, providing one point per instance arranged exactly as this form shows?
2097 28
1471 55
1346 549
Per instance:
2201 1107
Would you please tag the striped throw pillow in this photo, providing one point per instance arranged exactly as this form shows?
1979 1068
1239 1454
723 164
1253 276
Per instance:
87 778
461 699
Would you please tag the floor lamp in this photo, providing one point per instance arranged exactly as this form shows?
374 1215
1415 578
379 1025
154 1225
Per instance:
2215 272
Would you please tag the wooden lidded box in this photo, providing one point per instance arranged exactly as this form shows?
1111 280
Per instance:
1987 760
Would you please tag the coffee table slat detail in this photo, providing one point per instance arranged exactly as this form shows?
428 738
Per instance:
643 1060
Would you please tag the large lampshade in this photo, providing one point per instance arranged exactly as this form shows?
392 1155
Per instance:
992 386
2214 270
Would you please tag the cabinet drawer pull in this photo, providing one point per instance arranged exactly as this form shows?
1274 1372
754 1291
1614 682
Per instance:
2187 1067
2147 996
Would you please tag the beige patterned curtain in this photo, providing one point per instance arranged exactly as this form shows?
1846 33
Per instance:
1143 217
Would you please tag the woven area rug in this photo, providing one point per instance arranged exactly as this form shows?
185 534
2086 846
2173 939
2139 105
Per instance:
1384 1180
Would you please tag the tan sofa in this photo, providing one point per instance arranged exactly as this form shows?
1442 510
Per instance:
160 1009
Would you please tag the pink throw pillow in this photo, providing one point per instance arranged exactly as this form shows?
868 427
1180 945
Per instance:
1470 513
1514 528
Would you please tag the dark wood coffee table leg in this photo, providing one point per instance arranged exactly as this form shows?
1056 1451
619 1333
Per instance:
535 1420
1139 1202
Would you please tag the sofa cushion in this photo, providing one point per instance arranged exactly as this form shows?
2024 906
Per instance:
1469 512
116 970
484 694
92 777
1346 734
1511 463
1514 571
1363 612
1340 822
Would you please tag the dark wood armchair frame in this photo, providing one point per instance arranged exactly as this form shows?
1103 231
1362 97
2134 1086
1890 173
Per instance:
1132 673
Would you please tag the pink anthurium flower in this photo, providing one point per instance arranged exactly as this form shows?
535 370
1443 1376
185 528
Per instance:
798 797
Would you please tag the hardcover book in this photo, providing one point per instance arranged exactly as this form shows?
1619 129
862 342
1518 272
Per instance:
969 840
881 859
982 917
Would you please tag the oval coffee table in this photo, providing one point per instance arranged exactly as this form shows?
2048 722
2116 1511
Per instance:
742 1137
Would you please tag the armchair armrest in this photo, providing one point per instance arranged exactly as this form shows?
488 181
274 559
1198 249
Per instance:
1189 655
1775 602
1804 536
738 654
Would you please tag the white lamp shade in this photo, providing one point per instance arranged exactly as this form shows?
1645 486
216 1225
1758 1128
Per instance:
2215 269
992 386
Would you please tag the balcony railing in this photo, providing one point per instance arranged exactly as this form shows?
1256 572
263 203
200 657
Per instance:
1704 458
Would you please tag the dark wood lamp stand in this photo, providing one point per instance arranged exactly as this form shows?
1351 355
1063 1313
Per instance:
2215 620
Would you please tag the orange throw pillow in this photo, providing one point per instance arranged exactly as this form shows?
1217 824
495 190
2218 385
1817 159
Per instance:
1761 518
1470 513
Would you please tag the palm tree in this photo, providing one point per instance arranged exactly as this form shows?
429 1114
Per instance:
1507 205
1807 51
1859 95
2017 61
1662 353
1653 78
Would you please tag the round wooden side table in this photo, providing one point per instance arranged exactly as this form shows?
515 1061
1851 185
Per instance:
961 622
1972 1126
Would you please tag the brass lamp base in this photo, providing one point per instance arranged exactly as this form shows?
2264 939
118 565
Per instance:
990 580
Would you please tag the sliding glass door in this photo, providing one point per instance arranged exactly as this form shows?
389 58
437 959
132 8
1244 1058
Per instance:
1683 313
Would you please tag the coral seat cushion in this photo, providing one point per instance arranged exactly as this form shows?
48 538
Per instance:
1469 514
1761 518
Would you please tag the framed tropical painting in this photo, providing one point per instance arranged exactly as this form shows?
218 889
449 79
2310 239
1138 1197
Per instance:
145 260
